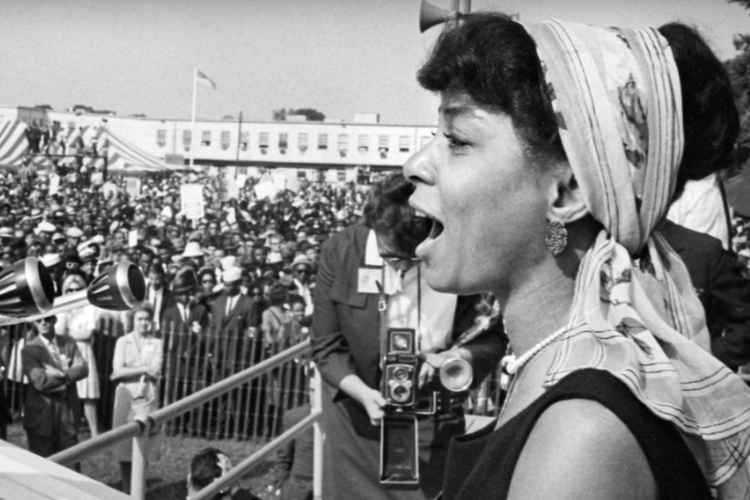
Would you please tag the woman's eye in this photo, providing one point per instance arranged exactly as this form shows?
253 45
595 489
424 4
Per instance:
454 142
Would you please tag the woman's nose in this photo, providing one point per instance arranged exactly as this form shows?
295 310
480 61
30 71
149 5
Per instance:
420 167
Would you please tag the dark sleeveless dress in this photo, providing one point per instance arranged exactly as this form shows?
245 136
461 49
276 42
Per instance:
481 465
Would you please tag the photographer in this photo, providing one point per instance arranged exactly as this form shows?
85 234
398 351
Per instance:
346 343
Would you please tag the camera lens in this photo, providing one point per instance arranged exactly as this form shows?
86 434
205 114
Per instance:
400 374
400 393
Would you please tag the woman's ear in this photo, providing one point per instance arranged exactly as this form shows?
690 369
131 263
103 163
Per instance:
567 203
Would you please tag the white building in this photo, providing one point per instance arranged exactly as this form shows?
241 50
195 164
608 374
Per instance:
301 144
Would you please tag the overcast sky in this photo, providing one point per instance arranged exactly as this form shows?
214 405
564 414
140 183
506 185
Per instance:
338 56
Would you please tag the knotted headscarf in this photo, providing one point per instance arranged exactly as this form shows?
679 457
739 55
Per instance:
616 95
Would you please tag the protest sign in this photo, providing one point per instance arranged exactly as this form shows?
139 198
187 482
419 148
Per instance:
54 184
191 201
133 187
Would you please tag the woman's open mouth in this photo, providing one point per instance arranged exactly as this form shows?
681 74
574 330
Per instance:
437 228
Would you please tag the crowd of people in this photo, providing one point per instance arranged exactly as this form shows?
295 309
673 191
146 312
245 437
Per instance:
246 269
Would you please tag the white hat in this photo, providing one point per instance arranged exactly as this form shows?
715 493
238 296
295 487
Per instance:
228 262
74 232
231 274
193 249
50 259
6 232
46 227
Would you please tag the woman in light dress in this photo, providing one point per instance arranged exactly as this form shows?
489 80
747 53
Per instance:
137 366
80 324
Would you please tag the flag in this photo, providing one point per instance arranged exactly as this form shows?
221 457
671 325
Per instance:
202 79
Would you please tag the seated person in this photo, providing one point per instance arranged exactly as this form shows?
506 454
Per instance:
206 467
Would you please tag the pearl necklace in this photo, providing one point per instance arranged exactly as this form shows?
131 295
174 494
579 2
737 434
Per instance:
511 364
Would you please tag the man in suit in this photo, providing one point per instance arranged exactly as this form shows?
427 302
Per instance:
354 265
184 326
157 294
718 279
236 343
53 365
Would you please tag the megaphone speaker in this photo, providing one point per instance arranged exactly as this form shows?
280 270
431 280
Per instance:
26 289
430 16
121 288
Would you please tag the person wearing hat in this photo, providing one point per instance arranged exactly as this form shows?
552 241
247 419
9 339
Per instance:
234 316
302 270
194 254
186 320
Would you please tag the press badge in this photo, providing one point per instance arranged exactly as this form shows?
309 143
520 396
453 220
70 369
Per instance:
367 279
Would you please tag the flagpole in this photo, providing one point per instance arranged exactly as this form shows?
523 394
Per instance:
239 138
192 131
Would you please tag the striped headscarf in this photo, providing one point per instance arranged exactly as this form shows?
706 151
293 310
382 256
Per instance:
616 95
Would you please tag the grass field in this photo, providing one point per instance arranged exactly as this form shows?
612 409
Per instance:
165 479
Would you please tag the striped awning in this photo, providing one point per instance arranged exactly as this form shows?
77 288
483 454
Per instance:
13 143
124 156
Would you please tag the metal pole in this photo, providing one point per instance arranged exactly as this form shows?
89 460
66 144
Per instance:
192 130
239 138
138 472
318 437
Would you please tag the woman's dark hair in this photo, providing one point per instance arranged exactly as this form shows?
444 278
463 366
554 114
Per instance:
710 117
494 60
206 271
204 468
277 293
388 213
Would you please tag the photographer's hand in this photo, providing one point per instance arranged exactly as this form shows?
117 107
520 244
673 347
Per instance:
369 398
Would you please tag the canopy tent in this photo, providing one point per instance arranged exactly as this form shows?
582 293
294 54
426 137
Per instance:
13 143
123 156
88 144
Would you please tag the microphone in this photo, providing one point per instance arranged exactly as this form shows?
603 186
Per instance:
120 289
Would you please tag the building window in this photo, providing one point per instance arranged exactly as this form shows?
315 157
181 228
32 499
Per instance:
244 140
424 140
363 143
383 142
225 139
322 141
186 139
263 140
404 143
161 137
283 140
302 141
206 138
343 142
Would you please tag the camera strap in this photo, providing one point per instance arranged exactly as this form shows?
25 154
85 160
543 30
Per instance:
383 310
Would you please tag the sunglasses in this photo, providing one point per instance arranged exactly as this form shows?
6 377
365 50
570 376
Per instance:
44 320
74 289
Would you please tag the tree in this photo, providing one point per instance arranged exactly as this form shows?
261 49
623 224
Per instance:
744 3
45 107
739 72
312 115
279 115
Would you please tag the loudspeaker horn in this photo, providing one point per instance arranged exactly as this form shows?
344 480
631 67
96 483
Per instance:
429 16
26 288
122 287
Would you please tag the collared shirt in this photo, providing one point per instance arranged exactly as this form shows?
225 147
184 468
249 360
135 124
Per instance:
432 320
51 346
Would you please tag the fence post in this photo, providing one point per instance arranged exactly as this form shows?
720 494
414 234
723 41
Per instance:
138 473
319 436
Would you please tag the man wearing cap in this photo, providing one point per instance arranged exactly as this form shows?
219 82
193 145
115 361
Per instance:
186 321
194 255
235 326
302 272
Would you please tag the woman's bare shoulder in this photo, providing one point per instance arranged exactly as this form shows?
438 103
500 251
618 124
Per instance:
579 449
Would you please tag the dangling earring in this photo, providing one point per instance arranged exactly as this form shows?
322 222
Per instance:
556 237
